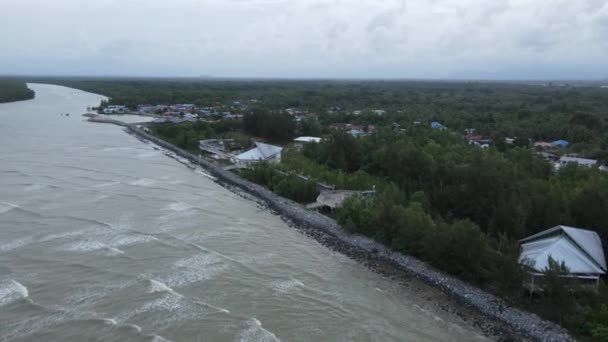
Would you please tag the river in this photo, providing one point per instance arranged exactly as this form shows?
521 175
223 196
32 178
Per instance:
106 238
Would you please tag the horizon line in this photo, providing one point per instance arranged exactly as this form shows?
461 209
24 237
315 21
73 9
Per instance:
292 78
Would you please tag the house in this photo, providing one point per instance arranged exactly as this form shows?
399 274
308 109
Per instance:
437 125
261 152
580 250
560 143
379 112
542 144
550 157
307 139
115 109
356 132
567 159
473 138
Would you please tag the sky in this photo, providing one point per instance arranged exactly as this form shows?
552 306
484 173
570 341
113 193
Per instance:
429 39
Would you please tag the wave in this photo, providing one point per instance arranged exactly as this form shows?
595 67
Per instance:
156 338
180 206
105 184
205 174
109 321
135 327
16 244
112 251
255 332
38 186
145 182
148 154
157 286
286 286
11 290
108 242
194 269
6 207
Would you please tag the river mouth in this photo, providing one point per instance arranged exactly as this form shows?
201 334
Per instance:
103 237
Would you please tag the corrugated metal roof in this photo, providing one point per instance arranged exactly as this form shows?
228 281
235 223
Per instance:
260 152
581 250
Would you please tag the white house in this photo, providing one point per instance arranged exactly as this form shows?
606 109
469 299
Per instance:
261 152
580 161
579 249
307 139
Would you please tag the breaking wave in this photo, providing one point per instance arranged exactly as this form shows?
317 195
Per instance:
11 290
194 269
157 286
255 332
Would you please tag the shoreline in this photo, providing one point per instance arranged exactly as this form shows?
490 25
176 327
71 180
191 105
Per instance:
482 310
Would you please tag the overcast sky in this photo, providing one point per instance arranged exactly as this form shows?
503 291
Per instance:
483 39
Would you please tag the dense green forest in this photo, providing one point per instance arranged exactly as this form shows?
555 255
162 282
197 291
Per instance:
456 206
14 90
461 208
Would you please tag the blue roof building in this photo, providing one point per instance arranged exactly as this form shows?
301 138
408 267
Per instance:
561 143
437 125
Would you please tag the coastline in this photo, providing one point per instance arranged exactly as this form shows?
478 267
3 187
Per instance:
492 316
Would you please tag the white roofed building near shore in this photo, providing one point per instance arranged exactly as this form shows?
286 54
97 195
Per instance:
261 152
580 250
307 139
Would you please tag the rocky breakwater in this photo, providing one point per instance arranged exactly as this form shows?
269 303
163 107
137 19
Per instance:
330 233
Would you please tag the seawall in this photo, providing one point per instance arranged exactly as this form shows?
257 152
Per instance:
529 324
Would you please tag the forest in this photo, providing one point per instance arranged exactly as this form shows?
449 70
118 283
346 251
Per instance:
14 90
456 206
460 208
578 114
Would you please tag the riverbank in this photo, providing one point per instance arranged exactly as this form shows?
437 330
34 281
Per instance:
12 90
481 309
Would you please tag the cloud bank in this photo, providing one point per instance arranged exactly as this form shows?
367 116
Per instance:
505 39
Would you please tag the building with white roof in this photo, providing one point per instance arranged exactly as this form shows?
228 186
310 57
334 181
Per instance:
307 139
580 250
261 152
580 161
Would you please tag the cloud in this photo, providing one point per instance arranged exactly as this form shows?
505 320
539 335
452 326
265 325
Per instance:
307 38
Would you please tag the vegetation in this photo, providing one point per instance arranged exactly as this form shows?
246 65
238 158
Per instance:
187 135
14 90
462 209
270 125
458 207
287 185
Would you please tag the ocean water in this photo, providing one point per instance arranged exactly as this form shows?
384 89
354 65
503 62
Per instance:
106 238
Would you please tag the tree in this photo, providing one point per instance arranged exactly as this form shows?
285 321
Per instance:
556 289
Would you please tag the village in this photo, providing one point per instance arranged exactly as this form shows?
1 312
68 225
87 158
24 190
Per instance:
552 151
579 250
